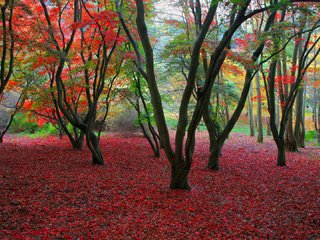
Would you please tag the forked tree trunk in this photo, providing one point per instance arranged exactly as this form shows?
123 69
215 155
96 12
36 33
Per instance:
215 150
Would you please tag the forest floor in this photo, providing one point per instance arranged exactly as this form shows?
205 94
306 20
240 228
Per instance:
49 191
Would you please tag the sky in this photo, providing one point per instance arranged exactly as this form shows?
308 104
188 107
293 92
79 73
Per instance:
164 7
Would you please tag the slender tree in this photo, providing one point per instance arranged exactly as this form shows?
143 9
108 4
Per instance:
259 110
304 62
144 115
8 43
250 113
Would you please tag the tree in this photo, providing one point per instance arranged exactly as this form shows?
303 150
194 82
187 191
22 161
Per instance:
144 112
303 64
46 108
217 138
96 30
315 98
250 113
259 110
8 43
181 158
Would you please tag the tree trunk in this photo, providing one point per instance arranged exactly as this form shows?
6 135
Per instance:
281 161
290 141
179 178
277 114
213 130
227 115
215 153
318 130
94 147
268 126
60 132
155 148
259 110
250 113
78 143
317 119
299 124
4 131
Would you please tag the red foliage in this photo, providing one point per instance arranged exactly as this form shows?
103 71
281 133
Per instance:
257 98
49 191
285 80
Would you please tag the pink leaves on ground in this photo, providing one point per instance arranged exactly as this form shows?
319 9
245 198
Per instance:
49 191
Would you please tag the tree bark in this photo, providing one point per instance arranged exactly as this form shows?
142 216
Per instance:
250 113
290 141
281 161
268 126
93 144
259 110
78 141
7 48
299 123
277 115
215 153
318 123
179 178
214 131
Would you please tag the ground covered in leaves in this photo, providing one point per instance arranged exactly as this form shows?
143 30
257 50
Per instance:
49 191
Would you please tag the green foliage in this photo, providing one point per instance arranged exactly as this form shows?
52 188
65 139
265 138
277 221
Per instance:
23 123
172 123
47 130
310 135
240 128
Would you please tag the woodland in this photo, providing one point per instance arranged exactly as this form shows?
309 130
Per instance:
145 119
